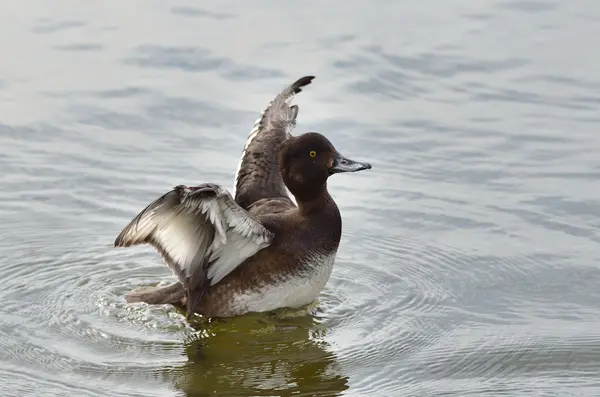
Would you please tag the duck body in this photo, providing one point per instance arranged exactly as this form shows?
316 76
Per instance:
269 245
291 272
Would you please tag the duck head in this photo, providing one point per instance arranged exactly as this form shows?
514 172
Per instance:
308 160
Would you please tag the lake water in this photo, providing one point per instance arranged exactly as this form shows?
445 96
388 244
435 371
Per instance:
470 257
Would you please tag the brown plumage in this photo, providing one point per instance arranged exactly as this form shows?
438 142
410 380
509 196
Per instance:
259 251
258 176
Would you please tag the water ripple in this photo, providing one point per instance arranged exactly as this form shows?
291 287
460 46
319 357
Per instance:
469 258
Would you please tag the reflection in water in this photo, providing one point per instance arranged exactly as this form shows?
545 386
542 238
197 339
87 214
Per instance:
260 355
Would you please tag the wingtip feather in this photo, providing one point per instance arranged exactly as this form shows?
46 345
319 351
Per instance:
124 239
302 82
120 241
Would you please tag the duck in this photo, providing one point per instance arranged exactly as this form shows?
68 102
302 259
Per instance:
269 244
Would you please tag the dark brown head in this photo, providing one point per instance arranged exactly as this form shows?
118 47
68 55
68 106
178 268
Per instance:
306 161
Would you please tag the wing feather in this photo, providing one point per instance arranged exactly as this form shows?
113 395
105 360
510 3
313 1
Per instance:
258 175
201 233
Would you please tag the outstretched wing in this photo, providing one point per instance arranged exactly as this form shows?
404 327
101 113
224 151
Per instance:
258 175
201 233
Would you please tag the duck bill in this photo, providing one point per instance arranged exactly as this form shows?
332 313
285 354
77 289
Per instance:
344 164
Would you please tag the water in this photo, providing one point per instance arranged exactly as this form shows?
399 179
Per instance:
470 258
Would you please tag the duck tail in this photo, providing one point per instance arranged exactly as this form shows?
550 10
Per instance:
173 294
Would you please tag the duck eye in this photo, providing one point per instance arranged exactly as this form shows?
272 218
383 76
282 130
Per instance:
312 153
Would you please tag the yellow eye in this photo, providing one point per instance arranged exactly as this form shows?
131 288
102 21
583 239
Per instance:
312 153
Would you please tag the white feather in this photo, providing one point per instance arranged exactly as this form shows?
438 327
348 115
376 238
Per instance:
188 228
256 128
292 291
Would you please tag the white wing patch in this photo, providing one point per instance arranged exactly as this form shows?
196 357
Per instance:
256 128
199 231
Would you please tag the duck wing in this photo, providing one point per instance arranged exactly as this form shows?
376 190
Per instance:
258 175
201 233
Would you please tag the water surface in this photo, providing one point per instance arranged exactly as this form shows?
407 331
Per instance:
470 258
